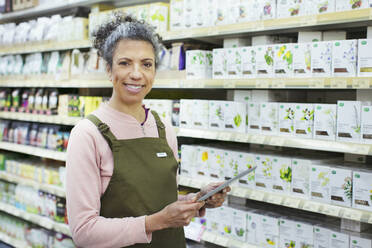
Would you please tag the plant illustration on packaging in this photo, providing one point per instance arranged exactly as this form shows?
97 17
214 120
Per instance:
237 120
347 187
322 176
286 55
290 116
357 121
269 57
286 173
292 244
209 57
323 7
267 167
355 4
198 58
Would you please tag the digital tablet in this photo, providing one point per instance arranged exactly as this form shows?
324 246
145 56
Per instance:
225 184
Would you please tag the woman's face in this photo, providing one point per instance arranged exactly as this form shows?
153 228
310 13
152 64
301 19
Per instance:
133 71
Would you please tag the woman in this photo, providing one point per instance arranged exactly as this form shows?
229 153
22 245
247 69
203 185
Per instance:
121 185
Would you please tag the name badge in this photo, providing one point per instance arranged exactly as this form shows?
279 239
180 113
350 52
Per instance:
161 154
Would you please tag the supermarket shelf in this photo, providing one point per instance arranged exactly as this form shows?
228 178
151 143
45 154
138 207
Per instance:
224 241
288 201
44 47
311 144
36 219
35 151
13 242
353 18
55 190
277 83
55 119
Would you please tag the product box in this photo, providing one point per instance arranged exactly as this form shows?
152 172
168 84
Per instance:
246 161
226 220
176 15
304 234
302 60
282 174
269 118
344 5
248 62
198 64
221 17
198 14
234 63
216 164
362 190
188 158
360 240
322 236
366 126
254 117
242 96
289 8
200 114
269 235
246 13
264 172
364 58
234 116
341 186
186 113
287 119
316 7
325 116
344 58
320 183
304 120
216 115
158 13
334 35
253 226
338 239
321 59
287 228
230 165
348 120
239 228
212 217
268 9
283 60
301 177
264 61
219 63
202 163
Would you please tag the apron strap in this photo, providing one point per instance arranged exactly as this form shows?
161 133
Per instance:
103 128
159 124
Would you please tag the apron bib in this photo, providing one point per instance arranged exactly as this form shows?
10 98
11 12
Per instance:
143 181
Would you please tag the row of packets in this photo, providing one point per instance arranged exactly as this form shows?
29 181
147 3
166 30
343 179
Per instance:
272 230
341 58
34 236
51 137
319 177
349 121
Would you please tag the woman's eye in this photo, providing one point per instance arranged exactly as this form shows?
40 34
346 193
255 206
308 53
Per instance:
123 63
148 65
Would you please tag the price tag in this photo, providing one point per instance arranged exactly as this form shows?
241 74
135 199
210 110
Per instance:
311 206
316 83
361 83
229 84
339 83
209 237
222 241
331 210
277 141
257 139
262 83
225 136
278 83
353 214
194 231
257 195
275 199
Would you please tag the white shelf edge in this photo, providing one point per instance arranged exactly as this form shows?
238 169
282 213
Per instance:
288 201
54 119
226 242
13 242
35 151
59 191
36 219
282 141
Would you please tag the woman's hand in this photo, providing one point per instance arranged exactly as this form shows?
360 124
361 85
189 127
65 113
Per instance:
176 214
215 200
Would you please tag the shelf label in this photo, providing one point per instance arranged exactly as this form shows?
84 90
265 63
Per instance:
339 83
194 231
331 210
352 214
257 139
224 136
257 195
262 83
229 84
362 83
278 83
316 83
360 149
209 237
222 241
210 135
308 20
275 199
311 206
277 141
241 137
292 202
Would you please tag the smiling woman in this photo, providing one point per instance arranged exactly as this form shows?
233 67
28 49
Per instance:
121 186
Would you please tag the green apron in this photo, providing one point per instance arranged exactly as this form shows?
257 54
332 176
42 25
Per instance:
143 181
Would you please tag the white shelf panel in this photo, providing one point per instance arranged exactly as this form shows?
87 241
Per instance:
36 219
312 144
59 191
35 151
54 119
224 241
13 242
289 201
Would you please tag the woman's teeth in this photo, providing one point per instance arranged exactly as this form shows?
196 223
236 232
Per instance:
134 86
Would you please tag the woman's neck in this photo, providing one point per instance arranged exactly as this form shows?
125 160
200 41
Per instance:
134 110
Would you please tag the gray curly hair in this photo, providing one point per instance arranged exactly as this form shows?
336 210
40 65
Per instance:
121 27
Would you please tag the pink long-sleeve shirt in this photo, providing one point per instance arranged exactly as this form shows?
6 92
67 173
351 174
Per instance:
89 169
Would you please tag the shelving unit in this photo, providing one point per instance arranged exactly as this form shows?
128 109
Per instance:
224 241
36 219
13 242
56 190
35 151
54 119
